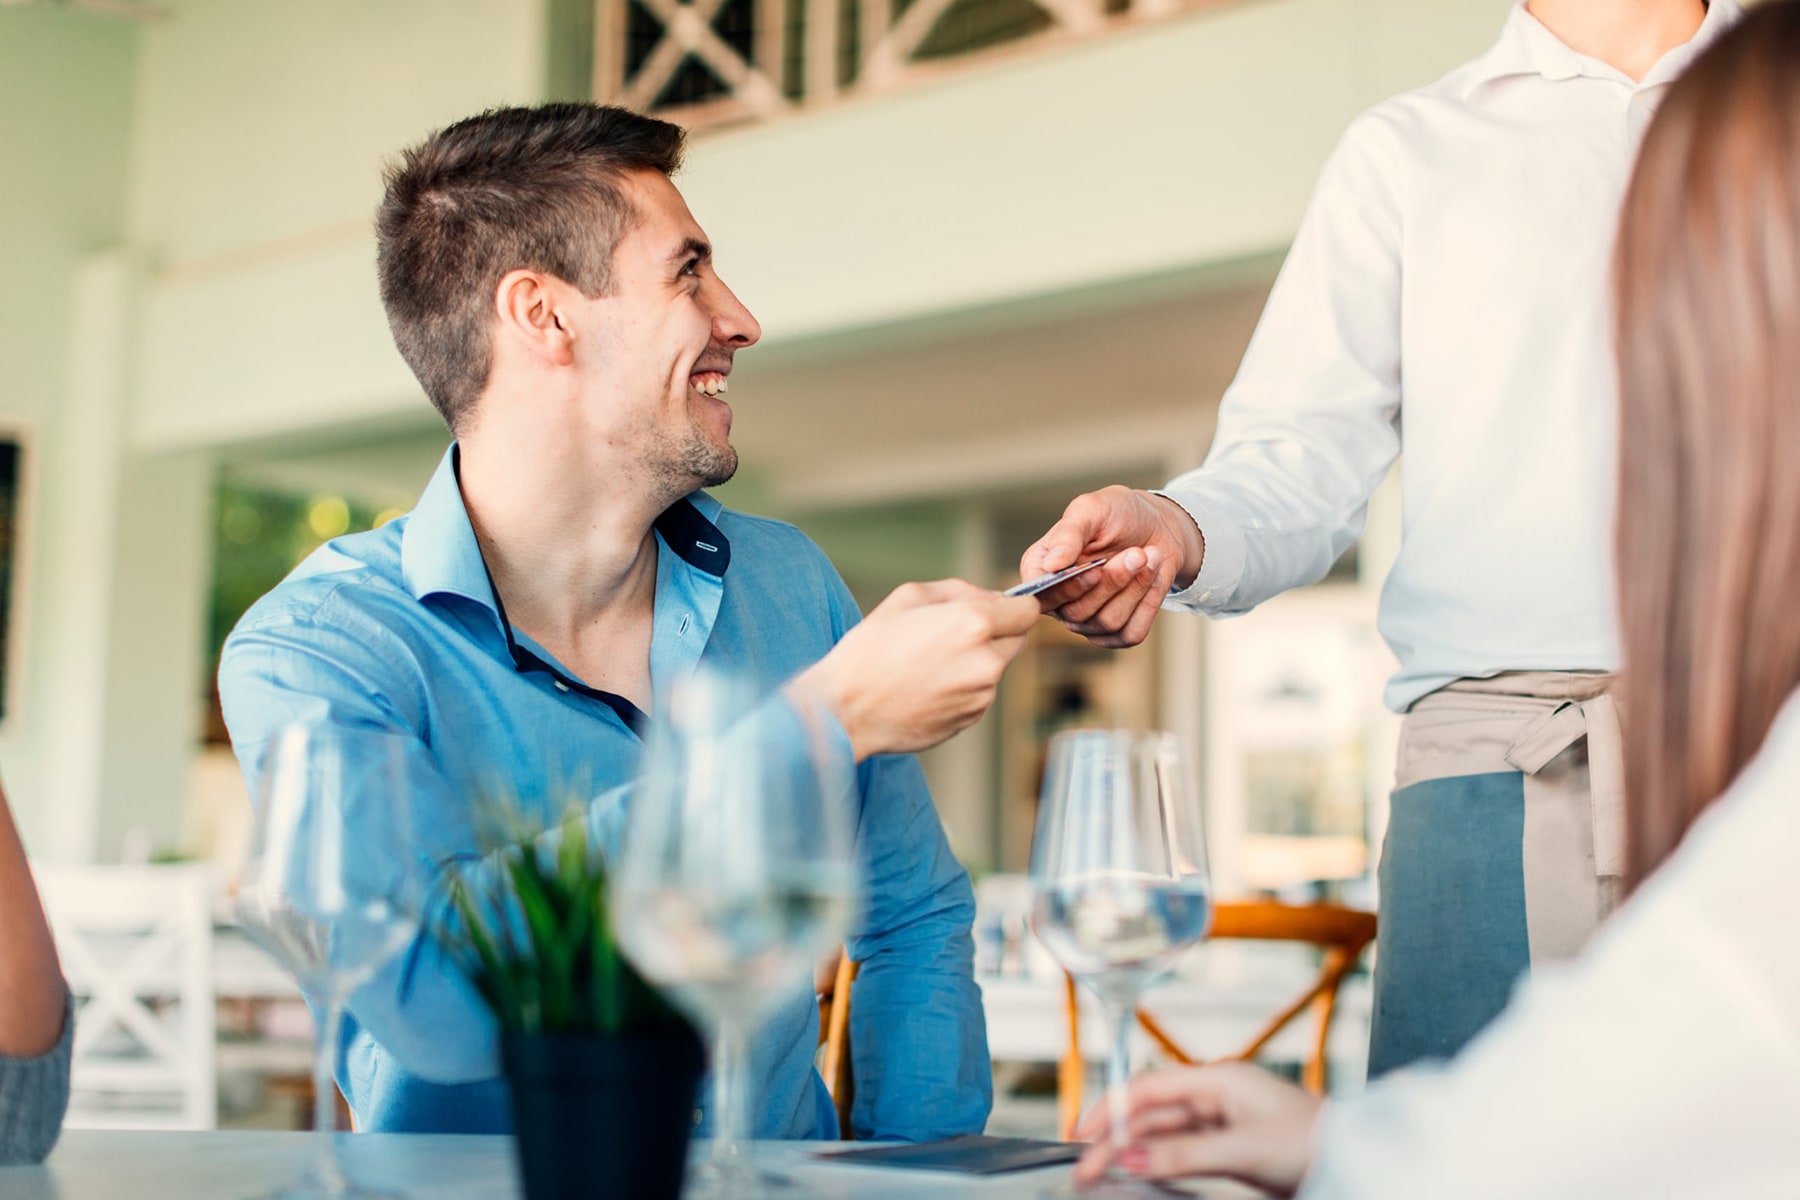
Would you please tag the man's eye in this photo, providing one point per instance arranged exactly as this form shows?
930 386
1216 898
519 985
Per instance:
691 267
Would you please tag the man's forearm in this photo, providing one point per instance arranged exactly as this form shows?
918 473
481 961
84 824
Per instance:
919 1045
31 985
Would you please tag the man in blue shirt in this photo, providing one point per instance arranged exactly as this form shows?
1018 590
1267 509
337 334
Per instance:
547 284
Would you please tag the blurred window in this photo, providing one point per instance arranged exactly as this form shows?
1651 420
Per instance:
259 535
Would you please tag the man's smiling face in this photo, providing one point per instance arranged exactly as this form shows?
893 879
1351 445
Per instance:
664 338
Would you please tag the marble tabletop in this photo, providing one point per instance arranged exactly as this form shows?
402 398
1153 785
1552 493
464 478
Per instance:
98 1165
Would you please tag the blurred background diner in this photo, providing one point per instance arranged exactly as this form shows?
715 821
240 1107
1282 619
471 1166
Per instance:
1003 252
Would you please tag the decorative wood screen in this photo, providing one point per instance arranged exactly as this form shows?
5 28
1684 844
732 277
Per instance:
704 62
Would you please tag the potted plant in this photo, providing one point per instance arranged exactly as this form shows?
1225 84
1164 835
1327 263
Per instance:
603 1072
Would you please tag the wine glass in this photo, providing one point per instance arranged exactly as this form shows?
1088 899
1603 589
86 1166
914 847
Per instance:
330 889
1118 873
735 877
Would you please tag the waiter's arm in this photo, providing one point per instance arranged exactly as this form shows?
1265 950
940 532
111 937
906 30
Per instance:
1305 433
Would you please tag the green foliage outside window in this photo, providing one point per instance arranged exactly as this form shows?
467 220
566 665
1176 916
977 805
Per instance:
259 535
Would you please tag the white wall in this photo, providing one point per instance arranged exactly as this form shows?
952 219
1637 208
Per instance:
156 650
262 128
65 88
1174 145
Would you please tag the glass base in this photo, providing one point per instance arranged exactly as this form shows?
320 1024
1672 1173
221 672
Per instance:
707 1181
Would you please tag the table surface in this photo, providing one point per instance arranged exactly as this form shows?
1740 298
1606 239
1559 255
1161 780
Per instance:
95 1165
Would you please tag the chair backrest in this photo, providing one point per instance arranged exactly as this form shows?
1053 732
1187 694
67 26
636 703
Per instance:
1342 933
833 987
136 947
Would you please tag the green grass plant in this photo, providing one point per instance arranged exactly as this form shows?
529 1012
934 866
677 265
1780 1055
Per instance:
530 926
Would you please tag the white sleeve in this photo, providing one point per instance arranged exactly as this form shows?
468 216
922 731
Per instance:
1310 425
1664 1062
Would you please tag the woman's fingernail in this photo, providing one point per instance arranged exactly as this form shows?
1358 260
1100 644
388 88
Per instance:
1136 1159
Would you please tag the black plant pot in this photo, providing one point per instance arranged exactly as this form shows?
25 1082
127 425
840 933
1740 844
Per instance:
601 1117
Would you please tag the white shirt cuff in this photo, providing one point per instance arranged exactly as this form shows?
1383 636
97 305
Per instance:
1221 565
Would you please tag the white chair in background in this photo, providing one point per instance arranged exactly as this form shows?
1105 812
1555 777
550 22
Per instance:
136 946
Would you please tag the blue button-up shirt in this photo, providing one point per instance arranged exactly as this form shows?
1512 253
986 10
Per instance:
400 629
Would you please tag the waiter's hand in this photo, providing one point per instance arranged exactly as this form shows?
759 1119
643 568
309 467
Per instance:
923 665
1150 544
1229 1120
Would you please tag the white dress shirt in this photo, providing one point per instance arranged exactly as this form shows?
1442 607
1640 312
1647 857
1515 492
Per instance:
1665 1062
1446 295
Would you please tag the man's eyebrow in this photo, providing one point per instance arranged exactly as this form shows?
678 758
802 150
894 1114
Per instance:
692 248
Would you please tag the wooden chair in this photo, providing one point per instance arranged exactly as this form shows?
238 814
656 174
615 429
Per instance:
1342 932
832 983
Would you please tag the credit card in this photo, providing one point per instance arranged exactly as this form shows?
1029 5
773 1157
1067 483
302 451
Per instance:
1032 587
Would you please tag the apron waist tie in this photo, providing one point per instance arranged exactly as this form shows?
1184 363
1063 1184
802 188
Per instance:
1548 735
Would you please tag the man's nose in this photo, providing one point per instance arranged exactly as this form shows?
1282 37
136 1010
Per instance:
733 324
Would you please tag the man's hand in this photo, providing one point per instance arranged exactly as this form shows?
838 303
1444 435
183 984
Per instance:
922 666
1231 1120
1150 544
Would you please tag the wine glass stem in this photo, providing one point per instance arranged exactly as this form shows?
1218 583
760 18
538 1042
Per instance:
1120 1008
325 1165
731 1099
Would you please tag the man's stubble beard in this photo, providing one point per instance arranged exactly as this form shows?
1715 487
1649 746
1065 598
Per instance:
696 462
711 465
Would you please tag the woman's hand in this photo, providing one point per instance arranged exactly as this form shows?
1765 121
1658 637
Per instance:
1231 1119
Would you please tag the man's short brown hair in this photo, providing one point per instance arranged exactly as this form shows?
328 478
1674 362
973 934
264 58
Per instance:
514 188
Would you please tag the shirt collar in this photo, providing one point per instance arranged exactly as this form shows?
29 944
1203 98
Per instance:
687 526
1720 16
1527 47
439 555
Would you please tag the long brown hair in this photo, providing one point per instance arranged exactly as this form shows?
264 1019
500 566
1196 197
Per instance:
1708 288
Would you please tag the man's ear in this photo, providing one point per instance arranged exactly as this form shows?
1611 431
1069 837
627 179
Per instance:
529 306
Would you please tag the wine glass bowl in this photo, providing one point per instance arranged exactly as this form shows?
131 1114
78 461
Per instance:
329 887
737 951
735 877
1118 874
1121 923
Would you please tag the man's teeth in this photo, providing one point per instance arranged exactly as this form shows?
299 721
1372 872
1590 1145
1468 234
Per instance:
711 385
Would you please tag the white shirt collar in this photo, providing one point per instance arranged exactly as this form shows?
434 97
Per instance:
1527 47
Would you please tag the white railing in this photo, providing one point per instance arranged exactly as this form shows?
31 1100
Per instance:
708 62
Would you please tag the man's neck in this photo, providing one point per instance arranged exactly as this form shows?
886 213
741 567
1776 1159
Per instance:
1630 35
568 542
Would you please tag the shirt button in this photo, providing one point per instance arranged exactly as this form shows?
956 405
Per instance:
560 685
697 1118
